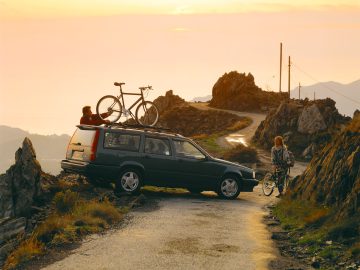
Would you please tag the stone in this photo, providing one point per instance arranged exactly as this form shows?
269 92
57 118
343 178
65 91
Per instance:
311 120
20 186
11 228
309 151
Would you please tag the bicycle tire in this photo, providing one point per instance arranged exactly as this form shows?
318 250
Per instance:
115 101
268 184
140 119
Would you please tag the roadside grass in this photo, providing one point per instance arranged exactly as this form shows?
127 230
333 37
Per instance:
241 124
318 231
73 218
24 253
164 189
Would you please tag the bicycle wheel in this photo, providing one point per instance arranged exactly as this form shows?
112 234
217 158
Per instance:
109 104
268 184
147 114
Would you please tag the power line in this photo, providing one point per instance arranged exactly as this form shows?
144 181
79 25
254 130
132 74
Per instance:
324 85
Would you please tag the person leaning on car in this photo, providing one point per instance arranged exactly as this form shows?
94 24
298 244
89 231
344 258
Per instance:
89 118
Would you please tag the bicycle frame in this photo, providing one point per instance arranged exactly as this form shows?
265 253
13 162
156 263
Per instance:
141 98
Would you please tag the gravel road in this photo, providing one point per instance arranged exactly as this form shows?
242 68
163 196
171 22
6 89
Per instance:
183 231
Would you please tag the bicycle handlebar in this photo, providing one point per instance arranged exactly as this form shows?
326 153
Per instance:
146 87
119 84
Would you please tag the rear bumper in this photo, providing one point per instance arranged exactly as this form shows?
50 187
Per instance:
89 169
249 184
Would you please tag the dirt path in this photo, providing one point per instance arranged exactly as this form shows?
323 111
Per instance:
184 232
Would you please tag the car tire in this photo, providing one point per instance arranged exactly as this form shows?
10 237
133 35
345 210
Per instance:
129 181
195 190
229 187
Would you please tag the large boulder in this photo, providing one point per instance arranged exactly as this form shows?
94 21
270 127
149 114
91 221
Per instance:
169 101
238 91
311 120
20 186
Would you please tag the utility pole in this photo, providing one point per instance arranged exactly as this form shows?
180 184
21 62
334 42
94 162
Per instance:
280 66
289 78
299 90
314 95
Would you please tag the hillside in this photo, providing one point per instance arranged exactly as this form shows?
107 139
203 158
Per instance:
180 117
238 91
50 149
322 90
305 125
333 176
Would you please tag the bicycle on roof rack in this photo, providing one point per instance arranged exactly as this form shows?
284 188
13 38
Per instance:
146 113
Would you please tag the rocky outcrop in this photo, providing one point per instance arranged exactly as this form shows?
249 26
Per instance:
20 186
305 125
169 101
333 177
238 91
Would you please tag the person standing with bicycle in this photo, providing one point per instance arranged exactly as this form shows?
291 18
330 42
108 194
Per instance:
280 161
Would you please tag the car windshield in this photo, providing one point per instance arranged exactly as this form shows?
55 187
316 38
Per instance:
187 149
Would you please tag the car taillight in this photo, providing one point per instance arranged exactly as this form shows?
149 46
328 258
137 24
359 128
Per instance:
94 145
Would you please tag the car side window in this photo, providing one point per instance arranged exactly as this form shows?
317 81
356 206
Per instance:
187 150
157 146
127 142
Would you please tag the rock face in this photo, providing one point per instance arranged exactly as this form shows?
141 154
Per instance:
305 125
311 120
333 176
20 186
238 91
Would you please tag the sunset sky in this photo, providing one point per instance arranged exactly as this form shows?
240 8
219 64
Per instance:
57 56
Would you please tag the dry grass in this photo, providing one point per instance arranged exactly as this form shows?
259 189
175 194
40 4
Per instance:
243 123
72 219
25 252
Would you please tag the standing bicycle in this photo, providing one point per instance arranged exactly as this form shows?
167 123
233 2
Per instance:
146 113
281 160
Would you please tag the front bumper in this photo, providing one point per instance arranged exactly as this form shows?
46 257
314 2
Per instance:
249 184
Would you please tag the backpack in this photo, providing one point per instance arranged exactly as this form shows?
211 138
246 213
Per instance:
291 159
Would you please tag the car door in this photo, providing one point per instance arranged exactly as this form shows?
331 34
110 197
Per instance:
157 160
193 168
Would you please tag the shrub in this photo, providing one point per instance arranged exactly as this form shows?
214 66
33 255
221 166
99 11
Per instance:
25 252
347 229
242 154
53 225
243 123
65 201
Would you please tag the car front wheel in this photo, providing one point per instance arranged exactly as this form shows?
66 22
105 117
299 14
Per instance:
129 181
229 188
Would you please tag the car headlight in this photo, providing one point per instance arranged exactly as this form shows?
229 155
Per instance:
254 174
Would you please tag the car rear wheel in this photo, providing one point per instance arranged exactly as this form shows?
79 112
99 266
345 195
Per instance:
229 188
130 181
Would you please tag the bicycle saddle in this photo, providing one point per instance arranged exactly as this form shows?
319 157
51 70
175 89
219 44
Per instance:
119 84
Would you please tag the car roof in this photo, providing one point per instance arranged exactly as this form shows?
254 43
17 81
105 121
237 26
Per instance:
155 131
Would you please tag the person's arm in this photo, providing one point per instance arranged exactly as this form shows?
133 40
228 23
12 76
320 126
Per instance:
273 156
286 156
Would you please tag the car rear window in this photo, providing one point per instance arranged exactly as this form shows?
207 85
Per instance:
128 142
83 137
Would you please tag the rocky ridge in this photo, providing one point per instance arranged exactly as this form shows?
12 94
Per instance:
305 125
238 91
333 176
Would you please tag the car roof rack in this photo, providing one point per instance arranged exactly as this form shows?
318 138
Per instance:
142 127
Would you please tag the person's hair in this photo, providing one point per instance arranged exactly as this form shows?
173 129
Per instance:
279 141
85 109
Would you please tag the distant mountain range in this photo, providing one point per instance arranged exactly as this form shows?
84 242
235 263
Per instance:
50 149
346 96
202 99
